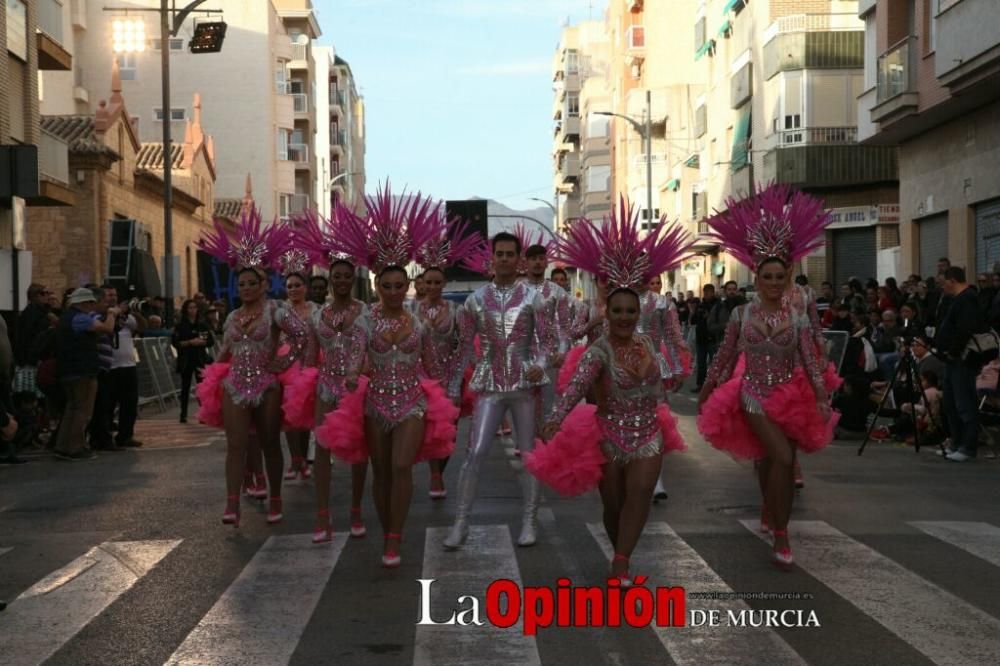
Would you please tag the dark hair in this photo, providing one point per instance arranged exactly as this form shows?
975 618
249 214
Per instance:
771 260
731 282
930 377
855 285
504 237
622 290
535 251
322 278
298 275
247 269
390 269
945 260
890 282
346 262
184 307
559 270
826 283
708 287
434 268
956 273
801 280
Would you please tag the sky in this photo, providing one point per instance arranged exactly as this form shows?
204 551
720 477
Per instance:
458 93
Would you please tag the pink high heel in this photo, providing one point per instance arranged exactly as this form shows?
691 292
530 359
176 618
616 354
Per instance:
357 527
231 516
626 580
765 527
274 514
325 533
391 558
782 558
437 494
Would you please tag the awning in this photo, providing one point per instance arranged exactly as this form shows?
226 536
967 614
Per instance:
724 28
741 132
693 162
673 184
731 4
705 48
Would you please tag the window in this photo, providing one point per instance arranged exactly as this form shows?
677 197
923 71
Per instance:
699 34
17 28
284 205
281 78
572 61
176 114
176 44
127 66
700 121
283 136
597 126
598 178
572 105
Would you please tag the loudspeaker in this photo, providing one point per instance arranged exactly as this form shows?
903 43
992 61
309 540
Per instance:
473 213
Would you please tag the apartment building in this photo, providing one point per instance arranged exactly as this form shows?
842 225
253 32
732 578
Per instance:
347 126
581 145
35 172
932 88
259 93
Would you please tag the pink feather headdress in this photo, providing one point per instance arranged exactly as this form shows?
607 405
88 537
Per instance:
617 252
449 243
314 236
771 223
254 246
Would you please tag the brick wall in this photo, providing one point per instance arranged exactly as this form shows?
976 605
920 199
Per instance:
779 8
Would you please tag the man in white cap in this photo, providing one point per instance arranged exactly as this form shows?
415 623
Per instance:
77 366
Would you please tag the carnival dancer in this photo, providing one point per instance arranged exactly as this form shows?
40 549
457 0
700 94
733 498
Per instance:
781 403
618 442
406 418
251 393
294 265
441 320
504 315
555 311
341 353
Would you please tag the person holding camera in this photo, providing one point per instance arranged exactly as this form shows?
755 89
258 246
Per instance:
961 322
192 338
124 376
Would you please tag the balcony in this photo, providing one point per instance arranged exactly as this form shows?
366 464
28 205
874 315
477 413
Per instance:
78 14
896 95
830 164
300 57
338 141
568 129
299 153
300 203
49 36
811 136
300 103
336 98
284 115
968 44
53 171
569 169
814 41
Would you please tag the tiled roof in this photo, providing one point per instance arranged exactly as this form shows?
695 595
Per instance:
150 156
229 208
77 131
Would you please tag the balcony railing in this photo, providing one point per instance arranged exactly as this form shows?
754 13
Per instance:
703 227
300 203
298 153
813 23
50 20
340 138
336 98
300 51
53 158
817 135
283 87
896 70
300 102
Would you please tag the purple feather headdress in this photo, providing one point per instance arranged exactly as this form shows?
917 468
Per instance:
254 246
772 223
480 260
314 236
617 252
448 244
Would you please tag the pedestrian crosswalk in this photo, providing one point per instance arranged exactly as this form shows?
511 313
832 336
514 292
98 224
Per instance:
266 608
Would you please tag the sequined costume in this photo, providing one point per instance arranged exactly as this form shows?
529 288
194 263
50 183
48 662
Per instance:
505 320
556 315
254 362
658 319
444 363
342 344
626 404
586 312
394 390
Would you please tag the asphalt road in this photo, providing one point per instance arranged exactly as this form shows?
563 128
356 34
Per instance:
123 560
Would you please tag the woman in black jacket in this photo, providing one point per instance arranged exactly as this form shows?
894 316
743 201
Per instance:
192 338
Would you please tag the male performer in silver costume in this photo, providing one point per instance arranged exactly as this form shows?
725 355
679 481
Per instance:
506 375
556 313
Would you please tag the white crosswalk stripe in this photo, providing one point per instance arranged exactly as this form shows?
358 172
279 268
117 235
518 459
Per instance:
6 549
668 560
980 539
895 597
55 608
488 555
256 620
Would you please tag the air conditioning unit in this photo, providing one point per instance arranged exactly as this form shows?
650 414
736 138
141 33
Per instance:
636 71
635 38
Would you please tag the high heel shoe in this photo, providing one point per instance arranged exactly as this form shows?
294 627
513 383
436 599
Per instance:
782 558
304 472
357 527
797 476
274 514
437 494
259 488
390 557
325 533
293 469
765 526
231 516
623 581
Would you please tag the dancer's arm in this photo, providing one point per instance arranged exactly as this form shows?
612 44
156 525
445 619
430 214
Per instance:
725 359
455 370
296 335
357 350
807 354
587 373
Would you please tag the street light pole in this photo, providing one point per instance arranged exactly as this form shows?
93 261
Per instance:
645 131
168 190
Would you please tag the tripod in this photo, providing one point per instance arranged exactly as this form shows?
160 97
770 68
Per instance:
908 369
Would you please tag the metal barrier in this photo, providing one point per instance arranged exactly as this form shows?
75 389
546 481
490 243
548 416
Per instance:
157 370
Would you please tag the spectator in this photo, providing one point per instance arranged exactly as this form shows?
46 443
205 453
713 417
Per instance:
709 324
850 297
842 318
943 265
985 293
100 423
884 343
871 299
33 321
962 320
154 328
191 338
77 364
123 377
895 294
319 287
732 299
885 300
938 301
909 319
8 420
825 300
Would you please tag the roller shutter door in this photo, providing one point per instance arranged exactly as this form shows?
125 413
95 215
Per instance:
933 232
854 254
987 236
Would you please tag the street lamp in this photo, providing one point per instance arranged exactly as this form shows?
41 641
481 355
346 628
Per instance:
329 185
129 36
646 132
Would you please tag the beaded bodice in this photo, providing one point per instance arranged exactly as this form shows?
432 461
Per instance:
252 342
504 318
441 324
395 350
308 355
772 352
627 389
341 343
554 309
